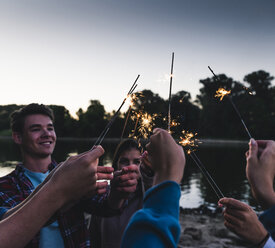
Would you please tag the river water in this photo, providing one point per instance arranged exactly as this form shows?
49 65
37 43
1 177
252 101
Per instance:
225 163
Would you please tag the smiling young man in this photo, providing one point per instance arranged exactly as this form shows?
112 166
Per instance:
33 130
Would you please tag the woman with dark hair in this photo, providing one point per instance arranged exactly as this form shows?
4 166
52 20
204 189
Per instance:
108 231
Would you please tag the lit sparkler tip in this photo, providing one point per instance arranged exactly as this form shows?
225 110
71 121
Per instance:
188 140
130 99
221 92
146 124
174 123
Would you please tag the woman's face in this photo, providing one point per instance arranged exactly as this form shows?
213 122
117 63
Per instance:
129 157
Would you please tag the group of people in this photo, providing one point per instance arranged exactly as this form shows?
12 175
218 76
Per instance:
70 204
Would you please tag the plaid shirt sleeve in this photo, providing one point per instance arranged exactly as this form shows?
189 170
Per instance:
2 212
10 194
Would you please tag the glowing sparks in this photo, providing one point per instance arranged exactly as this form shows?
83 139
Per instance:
130 100
146 124
174 123
188 140
249 92
221 92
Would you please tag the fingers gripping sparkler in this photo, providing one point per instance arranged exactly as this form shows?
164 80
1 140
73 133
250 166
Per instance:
222 93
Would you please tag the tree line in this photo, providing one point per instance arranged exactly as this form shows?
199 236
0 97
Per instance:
205 115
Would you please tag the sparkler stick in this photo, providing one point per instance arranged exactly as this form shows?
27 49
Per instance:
233 104
208 177
106 129
189 140
138 116
129 111
170 90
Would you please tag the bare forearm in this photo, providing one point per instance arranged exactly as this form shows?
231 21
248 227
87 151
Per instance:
263 192
21 226
266 198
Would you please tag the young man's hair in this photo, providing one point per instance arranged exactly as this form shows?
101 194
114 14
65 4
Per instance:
125 145
17 118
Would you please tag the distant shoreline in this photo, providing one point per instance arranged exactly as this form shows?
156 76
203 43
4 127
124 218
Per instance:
202 142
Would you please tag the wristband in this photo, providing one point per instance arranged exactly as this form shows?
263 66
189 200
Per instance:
263 241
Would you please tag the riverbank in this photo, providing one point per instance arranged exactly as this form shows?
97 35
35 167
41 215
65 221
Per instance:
202 228
202 142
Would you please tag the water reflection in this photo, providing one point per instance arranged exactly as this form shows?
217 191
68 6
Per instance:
226 164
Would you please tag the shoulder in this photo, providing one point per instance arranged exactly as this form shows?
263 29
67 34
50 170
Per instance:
9 179
10 184
11 192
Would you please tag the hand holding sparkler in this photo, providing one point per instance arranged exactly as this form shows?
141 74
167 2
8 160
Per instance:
145 165
167 158
221 92
260 171
243 221
125 181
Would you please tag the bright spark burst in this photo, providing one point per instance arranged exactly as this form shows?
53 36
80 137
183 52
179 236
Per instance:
146 124
130 100
249 92
221 92
174 123
188 140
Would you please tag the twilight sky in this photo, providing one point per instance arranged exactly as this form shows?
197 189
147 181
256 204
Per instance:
69 52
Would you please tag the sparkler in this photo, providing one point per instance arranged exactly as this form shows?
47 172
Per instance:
222 93
208 177
146 124
137 120
170 90
131 103
189 140
106 129
125 123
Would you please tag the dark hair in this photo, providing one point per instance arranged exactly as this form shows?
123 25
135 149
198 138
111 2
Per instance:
17 118
123 146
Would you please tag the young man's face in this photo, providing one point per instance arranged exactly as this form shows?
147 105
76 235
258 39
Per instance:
38 137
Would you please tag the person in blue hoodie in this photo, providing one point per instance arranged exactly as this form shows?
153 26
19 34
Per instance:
157 223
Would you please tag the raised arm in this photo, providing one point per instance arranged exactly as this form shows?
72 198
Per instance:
243 221
157 224
75 178
260 171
